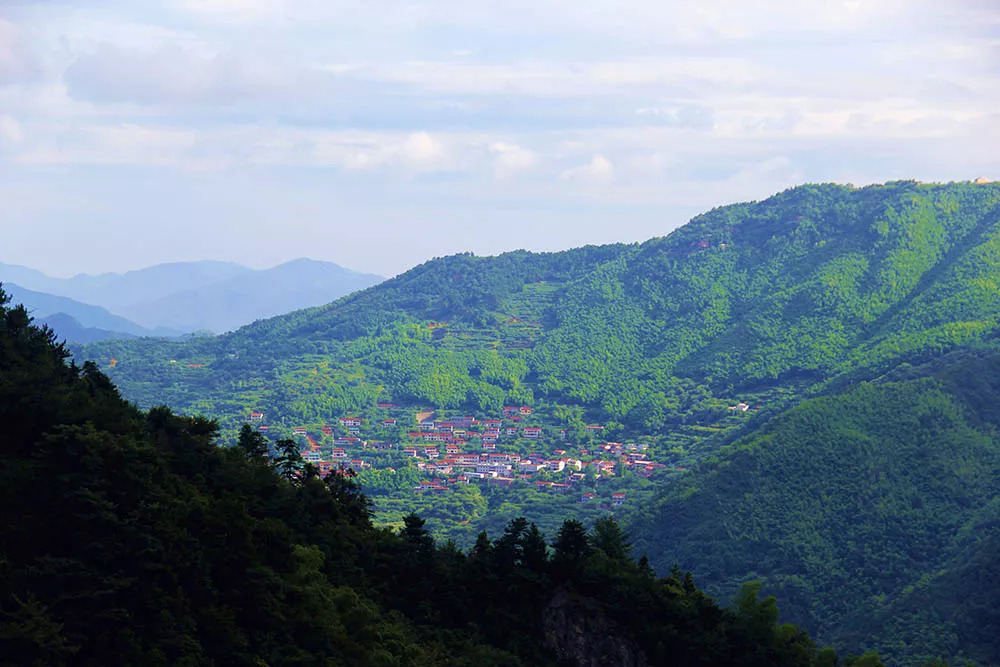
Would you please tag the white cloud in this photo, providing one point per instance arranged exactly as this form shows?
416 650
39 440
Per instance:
511 160
676 105
10 131
598 170
417 152
16 64
238 10
116 145
562 78
172 74
422 151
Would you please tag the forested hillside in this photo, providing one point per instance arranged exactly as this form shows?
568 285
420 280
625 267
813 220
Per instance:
810 283
649 380
129 537
872 514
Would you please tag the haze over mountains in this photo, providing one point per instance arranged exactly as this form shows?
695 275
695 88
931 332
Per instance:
176 298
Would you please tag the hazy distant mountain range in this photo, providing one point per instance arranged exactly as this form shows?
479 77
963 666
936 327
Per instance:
77 321
176 298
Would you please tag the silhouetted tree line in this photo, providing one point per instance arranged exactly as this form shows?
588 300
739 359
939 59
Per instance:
130 538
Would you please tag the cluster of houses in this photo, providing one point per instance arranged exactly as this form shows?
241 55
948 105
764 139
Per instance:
494 465
443 451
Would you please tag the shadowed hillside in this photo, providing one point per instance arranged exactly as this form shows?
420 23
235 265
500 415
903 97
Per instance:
692 348
129 537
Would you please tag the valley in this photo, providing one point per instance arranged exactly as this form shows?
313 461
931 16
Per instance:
647 379
534 334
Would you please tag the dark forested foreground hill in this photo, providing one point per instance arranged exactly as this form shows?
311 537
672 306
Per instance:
129 538
859 507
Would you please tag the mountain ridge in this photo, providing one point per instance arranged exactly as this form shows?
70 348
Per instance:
245 555
183 297
683 345
44 306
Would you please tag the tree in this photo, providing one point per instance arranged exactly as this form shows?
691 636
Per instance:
346 491
757 617
609 539
253 443
482 551
867 659
571 545
508 551
417 535
288 463
535 553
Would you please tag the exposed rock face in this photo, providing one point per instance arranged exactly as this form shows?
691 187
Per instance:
580 632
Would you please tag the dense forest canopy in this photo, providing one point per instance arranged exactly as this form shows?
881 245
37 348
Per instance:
129 537
817 281
832 319
860 510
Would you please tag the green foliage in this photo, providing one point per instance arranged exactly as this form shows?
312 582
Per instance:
814 282
855 509
804 294
131 538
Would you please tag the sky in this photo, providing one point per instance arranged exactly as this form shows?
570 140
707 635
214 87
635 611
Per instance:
378 134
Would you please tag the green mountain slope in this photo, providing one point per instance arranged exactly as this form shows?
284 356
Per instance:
813 282
681 347
859 511
802 285
130 538
953 611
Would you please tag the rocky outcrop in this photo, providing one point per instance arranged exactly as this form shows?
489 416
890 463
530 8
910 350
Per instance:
581 633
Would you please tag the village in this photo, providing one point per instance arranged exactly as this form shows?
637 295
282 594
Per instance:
461 449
